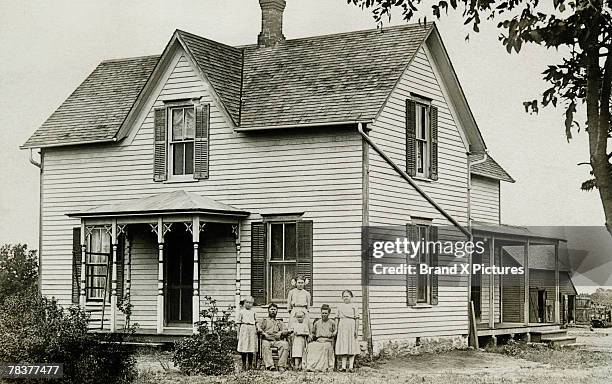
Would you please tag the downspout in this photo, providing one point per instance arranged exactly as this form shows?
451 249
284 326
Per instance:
410 181
39 165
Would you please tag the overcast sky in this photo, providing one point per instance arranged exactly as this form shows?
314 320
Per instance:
48 47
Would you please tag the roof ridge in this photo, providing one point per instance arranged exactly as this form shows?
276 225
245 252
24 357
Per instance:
128 58
425 27
180 31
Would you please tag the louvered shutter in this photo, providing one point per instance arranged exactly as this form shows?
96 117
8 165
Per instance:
76 264
201 150
411 279
258 263
433 161
433 236
410 137
159 157
304 252
120 258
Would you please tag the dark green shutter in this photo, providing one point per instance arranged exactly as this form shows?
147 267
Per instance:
76 264
258 262
411 279
433 236
433 161
410 137
201 149
304 252
159 157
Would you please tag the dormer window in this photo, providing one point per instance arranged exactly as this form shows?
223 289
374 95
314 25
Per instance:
181 140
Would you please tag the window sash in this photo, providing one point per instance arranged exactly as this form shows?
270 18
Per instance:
423 282
97 256
181 140
288 263
422 139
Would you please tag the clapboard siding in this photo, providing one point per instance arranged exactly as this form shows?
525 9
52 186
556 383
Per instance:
315 171
485 199
392 201
144 266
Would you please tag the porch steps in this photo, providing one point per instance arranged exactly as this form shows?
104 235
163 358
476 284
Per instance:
557 337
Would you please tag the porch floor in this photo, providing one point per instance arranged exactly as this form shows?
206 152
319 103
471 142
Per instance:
483 329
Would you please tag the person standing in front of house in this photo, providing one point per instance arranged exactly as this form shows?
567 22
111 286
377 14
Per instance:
347 345
298 299
300 338
247 333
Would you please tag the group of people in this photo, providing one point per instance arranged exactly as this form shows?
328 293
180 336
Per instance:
312 344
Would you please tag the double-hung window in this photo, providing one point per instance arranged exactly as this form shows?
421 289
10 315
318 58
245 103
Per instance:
97 256
181 140
422 139
423 286
282 253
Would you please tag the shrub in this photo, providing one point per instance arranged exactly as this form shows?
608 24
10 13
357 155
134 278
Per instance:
210 351
18 269
35 329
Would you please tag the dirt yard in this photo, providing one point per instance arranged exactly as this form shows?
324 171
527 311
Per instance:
591 362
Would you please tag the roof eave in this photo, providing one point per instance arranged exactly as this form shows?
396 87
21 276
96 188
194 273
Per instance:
159 212
68 144
508 179
304 125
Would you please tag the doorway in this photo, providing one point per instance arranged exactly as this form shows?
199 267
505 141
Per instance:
179 277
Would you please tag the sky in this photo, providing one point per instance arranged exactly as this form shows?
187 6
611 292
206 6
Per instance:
47 48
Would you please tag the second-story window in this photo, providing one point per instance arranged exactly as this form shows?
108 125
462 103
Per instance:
182 137
422 139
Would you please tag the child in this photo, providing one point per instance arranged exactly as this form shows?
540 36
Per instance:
301 334
347 345
247 333
298 299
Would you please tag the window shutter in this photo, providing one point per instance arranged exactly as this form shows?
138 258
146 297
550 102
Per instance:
410 137
201 150
411 279
159 157
433 236
258 263
433 171
304 252
120 253
76 264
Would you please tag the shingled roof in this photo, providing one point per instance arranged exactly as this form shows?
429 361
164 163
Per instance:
96 109
489 168
327 79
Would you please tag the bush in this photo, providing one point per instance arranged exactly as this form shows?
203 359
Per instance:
34 329
211 350
18 269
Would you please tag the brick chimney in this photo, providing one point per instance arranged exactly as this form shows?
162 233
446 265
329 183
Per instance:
271 22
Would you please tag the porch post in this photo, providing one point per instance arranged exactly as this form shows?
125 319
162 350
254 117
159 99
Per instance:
557 304
113 298
82 291
128 264
160 276
196 271
526 265
492 284
236 230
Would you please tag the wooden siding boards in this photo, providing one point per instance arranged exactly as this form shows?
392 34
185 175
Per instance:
316 171
393 202
485 199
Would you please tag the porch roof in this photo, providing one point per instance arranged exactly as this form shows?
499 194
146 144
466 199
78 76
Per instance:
540 256
479 228
176 202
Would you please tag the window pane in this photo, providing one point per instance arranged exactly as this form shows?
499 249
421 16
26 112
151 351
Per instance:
290 273
178 157
290 241
277 282
189 123
423 125
419 122
105 241
189 158
276 237
177 124
420 156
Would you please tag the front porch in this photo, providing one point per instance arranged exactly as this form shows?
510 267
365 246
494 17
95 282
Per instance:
153 261
532 303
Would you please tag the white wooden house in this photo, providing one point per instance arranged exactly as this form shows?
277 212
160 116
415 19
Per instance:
212 170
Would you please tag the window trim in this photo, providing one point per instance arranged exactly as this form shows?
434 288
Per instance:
170 107
269 262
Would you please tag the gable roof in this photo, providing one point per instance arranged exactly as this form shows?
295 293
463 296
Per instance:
336 78
489 168
178 201
96 109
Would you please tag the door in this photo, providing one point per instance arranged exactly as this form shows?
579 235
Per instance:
476 287
179 277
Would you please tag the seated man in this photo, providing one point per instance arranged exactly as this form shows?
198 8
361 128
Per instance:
320 353
273 334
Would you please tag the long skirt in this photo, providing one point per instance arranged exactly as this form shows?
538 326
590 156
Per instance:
298 346
346 342
320 357
247 339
